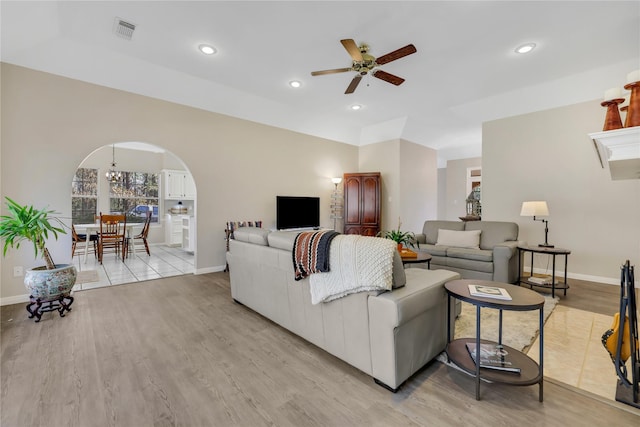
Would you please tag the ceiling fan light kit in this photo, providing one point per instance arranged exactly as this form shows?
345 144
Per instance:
363 63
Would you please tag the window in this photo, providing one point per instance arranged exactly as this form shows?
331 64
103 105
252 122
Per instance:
135 195
84 195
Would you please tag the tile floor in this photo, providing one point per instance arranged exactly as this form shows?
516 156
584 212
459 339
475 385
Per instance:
573 351
165 261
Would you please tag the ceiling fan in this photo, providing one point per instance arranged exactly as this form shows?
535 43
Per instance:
364 64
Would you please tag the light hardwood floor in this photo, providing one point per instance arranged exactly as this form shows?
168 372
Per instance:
179 351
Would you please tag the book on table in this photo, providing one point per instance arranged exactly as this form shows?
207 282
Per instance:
489 292
493 356
408 253
540 280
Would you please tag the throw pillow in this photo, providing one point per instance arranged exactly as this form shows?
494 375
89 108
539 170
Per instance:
459 239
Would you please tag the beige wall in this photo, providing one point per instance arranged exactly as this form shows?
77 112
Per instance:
51 124
409 181
442 193
547 155
418 185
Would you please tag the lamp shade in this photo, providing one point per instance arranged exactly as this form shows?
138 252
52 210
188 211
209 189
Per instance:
336 180
537 208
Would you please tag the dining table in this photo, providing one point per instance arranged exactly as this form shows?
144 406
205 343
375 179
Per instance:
95 228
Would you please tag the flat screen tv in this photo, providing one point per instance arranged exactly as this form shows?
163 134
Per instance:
297 212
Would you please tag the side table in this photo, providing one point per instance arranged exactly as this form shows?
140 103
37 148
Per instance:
522 300
549 251
422 257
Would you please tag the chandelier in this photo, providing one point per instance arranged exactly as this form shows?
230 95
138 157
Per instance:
113 175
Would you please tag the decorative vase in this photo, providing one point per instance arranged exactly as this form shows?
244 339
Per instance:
50 290
633 112
612 120
49 285
399 247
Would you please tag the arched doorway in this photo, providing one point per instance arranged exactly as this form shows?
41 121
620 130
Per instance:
143 183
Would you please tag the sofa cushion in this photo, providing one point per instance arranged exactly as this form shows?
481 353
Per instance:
434 250
459 239
283 239
430 229
399 276
470 264
255 235
494 232
475 254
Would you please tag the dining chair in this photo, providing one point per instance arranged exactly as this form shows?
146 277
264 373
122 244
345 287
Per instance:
112 235
82 239
144 233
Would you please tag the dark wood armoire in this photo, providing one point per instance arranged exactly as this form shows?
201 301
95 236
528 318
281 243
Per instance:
362 203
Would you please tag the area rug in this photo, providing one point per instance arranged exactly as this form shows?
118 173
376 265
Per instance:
87 276
519 328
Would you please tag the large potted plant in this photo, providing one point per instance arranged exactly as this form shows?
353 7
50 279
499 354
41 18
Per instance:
49 286
402 238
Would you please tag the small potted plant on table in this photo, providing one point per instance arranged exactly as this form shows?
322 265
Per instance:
49 286
402 238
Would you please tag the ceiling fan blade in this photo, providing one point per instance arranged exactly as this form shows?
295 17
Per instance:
334 71
353 49
390 78
396 54
353 85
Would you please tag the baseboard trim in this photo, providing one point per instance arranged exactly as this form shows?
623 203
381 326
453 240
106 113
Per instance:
585 277
214 269
19 299
16 299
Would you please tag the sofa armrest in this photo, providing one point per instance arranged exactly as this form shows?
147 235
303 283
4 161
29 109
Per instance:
505 262
421 238
407 326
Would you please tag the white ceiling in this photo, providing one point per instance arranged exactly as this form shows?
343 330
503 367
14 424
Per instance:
464 72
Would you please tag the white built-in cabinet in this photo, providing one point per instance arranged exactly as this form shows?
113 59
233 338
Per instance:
173 230
188 233
180 231
178 185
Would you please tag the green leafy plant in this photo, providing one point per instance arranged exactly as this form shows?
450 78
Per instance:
406 238
28 223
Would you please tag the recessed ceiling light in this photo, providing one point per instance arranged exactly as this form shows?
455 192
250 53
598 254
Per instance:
295 83
525 48
206 49
356 107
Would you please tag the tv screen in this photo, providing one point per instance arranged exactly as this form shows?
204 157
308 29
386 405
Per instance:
297 212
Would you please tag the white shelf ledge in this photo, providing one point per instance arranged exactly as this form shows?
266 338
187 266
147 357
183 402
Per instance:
619 152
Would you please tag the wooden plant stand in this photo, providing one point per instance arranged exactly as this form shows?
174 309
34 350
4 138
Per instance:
62 303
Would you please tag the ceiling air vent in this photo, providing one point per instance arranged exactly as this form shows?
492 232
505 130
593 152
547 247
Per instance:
123 29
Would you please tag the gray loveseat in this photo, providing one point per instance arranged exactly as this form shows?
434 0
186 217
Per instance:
386 334
494 256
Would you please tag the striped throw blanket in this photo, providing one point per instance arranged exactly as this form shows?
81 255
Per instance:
311 252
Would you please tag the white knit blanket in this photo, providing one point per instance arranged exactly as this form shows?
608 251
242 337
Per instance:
357 264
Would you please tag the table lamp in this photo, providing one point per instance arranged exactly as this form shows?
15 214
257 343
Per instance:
534 209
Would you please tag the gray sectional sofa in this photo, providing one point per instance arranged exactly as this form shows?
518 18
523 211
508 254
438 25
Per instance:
484 250
389 335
